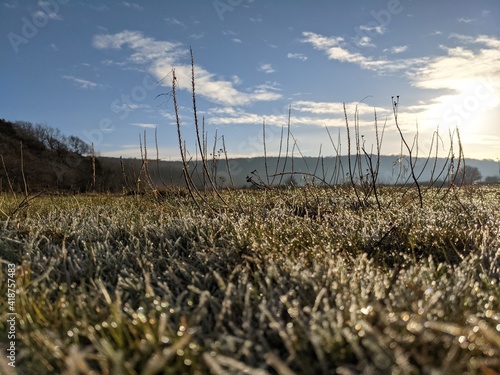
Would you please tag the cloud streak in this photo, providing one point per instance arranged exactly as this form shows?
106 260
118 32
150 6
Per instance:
145 126
336 48
82 83
159 57
266 68
132 5
297 56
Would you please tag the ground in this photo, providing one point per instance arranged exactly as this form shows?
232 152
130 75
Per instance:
284 281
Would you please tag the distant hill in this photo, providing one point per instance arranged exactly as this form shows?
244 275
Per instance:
55 162
250 172
392 168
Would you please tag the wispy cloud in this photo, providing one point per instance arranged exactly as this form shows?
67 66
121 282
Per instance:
11 4
132 5
481 56
335 108
396 49
256 19
146 50
267 87
159 57
379 29
82 83
266 68
175 22
46 12
466 20
217 90
229 32
364 41
197 36
465 80
297 56
122 107
236 40
239 116
337 49
145 126
447 71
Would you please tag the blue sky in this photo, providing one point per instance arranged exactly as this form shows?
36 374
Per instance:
98 69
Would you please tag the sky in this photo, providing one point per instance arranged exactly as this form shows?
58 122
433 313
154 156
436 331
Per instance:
103 71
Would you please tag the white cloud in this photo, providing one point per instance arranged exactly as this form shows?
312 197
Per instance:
268 86
198 36
160 57
481 56
335 108
364 41
129 107
46 11
236 40
145 126
146 50
132 5
396 49
466 20
304 113
297 56
82 83
175 22
447 72
465 79
230 111
468 80
238 116
11 4
213 89
266 68
337 49
236 80
379 29
256 19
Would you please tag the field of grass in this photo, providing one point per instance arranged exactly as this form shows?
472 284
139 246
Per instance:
281 282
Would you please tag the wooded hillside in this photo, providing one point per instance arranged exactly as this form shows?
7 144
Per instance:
48 159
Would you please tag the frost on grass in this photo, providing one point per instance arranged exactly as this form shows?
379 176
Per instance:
277 282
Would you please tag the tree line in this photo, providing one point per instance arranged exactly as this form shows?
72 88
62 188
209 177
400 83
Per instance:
40 157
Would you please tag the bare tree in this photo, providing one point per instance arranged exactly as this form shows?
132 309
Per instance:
468 175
